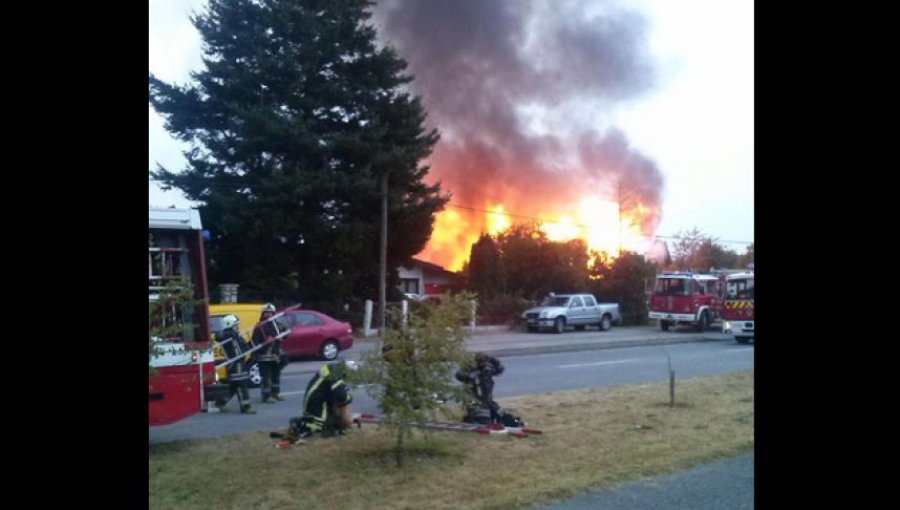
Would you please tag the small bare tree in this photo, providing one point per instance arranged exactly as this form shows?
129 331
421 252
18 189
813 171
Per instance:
416 365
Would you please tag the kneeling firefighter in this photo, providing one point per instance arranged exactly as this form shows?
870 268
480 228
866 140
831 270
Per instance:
326 405
479 376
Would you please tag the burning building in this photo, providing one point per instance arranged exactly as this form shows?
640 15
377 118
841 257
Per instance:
523 95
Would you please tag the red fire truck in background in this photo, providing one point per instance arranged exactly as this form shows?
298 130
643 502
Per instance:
737 314
183 374
687 298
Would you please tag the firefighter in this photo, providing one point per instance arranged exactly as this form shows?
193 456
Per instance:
326 405
269 356
238 377
480 376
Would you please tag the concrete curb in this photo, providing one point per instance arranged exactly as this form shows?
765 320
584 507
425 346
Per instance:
612 344
662 339
479 330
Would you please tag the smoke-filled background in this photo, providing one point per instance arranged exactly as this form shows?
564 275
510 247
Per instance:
521 93
541 105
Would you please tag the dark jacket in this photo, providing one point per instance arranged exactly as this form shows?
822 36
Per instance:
481 375
261 332
325 391
233 345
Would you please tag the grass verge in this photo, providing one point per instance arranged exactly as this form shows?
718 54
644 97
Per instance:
593 438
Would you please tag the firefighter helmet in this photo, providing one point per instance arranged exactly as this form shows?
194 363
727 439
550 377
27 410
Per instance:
230 321
339 369
268 307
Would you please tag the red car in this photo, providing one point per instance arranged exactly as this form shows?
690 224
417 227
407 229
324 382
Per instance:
315 334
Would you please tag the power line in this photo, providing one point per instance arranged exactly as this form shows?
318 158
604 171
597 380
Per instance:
541 220
223 185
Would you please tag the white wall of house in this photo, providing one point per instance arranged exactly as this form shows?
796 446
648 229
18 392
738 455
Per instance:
415 274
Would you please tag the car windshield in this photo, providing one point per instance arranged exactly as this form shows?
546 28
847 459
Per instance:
555 301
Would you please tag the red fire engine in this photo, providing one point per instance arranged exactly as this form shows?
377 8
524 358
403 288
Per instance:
183 375
737 315
687 298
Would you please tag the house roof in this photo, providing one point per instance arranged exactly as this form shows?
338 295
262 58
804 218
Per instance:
429 267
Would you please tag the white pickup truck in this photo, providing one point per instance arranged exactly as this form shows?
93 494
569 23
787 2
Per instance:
578 310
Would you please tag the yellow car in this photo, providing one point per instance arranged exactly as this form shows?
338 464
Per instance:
248 314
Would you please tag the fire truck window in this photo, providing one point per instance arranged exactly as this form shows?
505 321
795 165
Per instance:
740 289
673 287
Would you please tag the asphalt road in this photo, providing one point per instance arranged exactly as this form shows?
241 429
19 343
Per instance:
530 369
539 363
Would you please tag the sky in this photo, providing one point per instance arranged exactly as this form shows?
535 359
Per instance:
694 124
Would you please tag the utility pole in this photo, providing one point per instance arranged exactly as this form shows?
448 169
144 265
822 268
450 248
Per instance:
382 257
619 190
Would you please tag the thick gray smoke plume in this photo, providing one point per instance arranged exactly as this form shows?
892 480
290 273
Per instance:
521 92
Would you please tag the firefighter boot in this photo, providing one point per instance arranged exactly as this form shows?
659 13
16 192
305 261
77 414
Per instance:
245 407
221 405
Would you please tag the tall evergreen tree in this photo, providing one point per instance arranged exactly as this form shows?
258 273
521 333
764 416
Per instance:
293 120
485 270
624 280
535 266
523 258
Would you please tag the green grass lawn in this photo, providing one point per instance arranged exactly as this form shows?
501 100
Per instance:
593 438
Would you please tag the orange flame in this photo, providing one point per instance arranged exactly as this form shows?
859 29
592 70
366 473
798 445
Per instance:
597 221
451 240
497 220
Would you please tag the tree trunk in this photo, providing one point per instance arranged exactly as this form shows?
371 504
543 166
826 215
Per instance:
400 450
382 258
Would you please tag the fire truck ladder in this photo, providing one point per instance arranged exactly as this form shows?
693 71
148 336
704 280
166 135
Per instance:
165 266
165 273
478 428
281 330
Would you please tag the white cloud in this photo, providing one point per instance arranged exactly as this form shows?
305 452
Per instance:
699 124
